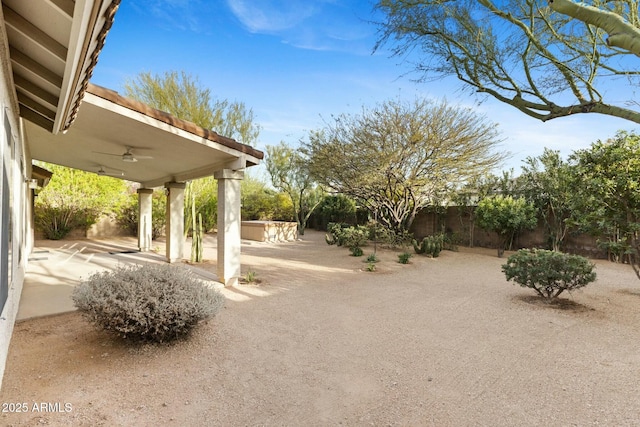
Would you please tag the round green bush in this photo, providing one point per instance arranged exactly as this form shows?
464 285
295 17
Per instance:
549 273
150 302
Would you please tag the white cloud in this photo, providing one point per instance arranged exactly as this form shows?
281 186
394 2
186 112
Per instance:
323 25
271 16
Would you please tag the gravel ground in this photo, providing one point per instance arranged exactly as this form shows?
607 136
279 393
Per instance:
320 341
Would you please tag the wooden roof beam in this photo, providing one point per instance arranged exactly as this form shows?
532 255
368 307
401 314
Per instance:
35 34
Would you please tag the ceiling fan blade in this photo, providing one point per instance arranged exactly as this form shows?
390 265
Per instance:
109 172
107 154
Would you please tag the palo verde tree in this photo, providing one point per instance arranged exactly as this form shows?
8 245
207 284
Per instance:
607 194
548 58
399 157
183 96
290 174
546 182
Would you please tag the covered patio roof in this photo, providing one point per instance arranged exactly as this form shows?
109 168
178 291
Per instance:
166 149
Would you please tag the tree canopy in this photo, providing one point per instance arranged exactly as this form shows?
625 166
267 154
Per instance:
399 157
290 174
548 59
607 194
181 95
546 182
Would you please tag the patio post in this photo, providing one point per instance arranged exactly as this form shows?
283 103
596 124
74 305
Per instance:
145 200
175 221
229 222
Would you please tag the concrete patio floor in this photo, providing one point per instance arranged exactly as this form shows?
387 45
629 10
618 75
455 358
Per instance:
57 266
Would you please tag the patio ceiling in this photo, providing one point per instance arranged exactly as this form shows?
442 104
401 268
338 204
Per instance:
167 149
53 47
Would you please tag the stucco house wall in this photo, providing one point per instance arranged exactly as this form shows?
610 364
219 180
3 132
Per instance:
16 239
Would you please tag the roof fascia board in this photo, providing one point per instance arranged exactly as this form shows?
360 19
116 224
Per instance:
7 69
86 17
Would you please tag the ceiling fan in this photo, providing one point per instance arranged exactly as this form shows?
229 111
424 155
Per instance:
103 172
127 156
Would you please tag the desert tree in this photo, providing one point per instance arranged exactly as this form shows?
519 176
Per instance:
289 172
399 157
606 190
506 216
183 96
548 59
546 181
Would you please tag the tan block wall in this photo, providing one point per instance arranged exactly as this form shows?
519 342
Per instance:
269 231
427 223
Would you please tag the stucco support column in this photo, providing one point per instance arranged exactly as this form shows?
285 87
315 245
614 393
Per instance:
175 221
229 221
145 204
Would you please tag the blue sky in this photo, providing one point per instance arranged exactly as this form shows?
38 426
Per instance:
297 62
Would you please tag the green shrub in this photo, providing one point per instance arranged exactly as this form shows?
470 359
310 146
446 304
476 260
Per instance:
404 257
356 251
430 245
152 302
372 258
57 222
346 235
75 199
388 237
250 276
549 273
355 237
371 266
335 235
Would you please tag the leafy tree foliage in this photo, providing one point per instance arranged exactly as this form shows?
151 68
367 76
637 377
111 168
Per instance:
545 58
546 182
607 194
182 95
398 157
75 199
337 208
290 174
506 216
262 203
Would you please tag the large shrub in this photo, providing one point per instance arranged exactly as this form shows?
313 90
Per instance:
430 245
151 302
388 237
549 273
346 235
75 199
336 208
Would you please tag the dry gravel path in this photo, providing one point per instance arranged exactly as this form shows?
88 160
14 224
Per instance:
438 342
